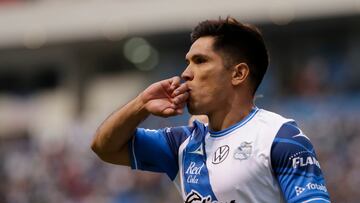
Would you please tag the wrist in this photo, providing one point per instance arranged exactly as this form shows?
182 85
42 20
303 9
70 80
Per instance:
140 105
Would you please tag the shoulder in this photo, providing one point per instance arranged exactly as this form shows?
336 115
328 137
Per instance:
176 136
291 135
267 125
296 167
271 118
291 148
285 128
183 132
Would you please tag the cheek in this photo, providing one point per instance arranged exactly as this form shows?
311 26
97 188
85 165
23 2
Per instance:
211 89
207 84
212 81
216 82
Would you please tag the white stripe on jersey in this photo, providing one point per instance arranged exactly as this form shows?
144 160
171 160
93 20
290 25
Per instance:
315 199
180 174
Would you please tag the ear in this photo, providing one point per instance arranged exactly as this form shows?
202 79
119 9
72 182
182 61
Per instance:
240 73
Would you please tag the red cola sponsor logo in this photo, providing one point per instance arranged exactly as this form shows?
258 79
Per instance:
193 171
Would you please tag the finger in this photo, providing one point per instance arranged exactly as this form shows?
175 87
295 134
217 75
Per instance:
169 112
180 90
174 82
180 111
180 98
180 106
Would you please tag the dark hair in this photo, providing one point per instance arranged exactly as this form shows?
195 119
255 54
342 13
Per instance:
237 43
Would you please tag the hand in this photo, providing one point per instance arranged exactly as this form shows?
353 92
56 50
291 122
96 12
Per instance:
165 98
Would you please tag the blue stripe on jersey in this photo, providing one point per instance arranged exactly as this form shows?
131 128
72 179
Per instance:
311 197
187 131
176 136
195 173
282 172
293 142
157 150
296 167
235 126
290 130
293 159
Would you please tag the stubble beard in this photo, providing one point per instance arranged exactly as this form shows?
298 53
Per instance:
193 109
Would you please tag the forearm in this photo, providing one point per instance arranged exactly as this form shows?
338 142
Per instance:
164 98
116 131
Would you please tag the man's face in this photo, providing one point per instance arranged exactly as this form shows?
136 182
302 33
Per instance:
207 78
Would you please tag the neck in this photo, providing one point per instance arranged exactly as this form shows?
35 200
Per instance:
236 110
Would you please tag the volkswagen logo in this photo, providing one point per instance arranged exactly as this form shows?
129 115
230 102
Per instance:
220 154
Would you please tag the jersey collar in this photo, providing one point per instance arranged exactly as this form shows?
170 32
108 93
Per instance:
235 126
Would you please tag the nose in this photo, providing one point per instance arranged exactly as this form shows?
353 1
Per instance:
187 75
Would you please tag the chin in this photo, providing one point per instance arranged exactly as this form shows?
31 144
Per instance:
193 110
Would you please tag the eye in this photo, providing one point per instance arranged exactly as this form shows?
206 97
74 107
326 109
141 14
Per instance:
199 60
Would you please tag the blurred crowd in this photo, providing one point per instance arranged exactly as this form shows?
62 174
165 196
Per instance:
66 170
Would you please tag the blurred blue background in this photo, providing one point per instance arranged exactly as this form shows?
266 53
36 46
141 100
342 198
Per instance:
66 65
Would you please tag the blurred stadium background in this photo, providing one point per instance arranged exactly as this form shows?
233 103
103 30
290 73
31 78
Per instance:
65 65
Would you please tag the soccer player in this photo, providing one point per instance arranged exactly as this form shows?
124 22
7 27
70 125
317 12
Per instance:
244 154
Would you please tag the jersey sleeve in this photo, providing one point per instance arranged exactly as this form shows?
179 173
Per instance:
157 150
296 167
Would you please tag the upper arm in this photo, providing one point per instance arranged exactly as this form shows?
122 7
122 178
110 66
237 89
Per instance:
296 166
156 150
121 157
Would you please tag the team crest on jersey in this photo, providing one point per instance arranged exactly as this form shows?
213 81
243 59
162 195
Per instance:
243 151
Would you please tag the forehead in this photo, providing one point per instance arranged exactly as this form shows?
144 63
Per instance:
202 46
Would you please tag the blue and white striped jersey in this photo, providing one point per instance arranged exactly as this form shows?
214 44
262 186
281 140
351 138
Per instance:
263 158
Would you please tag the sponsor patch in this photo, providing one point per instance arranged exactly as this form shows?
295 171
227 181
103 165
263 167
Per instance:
195 197
304 161
220 154
310 186
193 171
